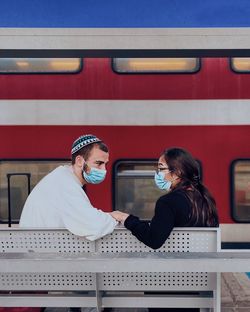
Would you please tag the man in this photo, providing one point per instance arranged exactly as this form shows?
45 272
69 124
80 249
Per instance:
58 200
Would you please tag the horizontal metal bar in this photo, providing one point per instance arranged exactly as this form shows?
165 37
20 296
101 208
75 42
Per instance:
157 302
125 262
46 300
110 301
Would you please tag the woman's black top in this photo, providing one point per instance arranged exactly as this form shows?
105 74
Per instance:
171 210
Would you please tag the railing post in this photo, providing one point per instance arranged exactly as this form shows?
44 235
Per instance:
97 291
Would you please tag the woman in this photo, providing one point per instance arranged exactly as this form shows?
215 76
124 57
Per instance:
187 201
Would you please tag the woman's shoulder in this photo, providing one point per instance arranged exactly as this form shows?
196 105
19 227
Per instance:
177 203
175 194
175 198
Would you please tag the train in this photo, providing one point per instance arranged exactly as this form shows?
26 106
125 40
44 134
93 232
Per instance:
138 106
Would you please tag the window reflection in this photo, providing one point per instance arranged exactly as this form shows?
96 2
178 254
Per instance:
40 65
241 190
18 170
156 65
135 189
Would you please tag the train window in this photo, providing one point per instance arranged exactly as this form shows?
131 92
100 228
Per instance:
40 65
17 179
240 64
240 190
155 65
134 190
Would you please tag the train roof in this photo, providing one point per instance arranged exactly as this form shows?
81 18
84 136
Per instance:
143 27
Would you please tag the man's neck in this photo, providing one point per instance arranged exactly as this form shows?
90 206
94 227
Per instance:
78 174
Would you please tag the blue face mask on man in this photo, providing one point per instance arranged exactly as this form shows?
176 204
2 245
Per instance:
161 183
95 176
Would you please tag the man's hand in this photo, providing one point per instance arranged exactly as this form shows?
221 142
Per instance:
119 216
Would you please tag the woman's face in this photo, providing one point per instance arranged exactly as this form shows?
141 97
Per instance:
168 175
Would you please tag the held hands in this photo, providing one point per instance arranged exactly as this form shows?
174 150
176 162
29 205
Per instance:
119 216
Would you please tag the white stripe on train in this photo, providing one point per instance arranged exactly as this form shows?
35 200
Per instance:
125 112
124 38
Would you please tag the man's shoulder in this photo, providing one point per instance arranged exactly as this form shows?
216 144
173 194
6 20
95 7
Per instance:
60 171
53 176
65 177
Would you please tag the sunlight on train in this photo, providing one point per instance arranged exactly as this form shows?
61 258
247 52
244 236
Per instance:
156 65
40 65
240 64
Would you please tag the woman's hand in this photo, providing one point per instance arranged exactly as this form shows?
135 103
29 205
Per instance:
119 216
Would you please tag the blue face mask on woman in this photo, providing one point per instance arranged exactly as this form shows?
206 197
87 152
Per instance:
161 183
95 176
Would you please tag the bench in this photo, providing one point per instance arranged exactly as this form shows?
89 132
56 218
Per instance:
54 268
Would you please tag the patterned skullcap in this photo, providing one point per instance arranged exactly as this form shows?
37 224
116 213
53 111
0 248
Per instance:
83 141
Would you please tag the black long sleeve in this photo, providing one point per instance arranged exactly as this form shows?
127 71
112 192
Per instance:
173 209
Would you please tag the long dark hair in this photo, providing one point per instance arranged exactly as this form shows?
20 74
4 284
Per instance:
181 162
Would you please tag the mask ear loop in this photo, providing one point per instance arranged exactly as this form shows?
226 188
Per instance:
177 174
85 166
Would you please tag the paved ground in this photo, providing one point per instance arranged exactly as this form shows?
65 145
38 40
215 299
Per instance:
235 292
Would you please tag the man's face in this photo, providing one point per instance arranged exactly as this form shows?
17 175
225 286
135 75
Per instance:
97 159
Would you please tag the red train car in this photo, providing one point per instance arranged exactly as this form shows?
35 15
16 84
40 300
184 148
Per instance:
138 107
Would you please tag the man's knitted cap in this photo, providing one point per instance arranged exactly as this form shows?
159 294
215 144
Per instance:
83 141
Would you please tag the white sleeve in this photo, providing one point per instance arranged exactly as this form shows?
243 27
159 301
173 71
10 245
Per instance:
81 218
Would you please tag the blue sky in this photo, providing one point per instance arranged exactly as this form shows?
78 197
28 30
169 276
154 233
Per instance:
124 13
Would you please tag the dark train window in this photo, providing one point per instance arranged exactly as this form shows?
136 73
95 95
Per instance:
240 190
17 178
40 65
134 189
240 64
155 65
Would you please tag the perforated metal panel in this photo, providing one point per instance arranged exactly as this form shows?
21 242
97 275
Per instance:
45 281
180 240
61 241
156 282
121 240
19 240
